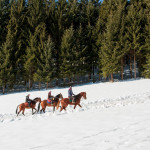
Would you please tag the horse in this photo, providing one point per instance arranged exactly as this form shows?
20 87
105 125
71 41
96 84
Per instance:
55 101
25 105
65 102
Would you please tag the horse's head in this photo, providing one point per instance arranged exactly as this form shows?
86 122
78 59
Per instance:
37 99
59 96
84 95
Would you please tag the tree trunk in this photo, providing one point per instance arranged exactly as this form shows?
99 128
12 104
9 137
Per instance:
93 69
29 84
46 85
130 65
99 77
64 81
89 77
3 89
112 78
134 64
122 68
39 85
78 79
56 82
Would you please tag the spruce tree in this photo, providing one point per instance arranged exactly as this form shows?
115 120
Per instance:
67 54
135 31
100 28
46 64
36 27
4 19
6 69
146 72
112 49
15 40
146 53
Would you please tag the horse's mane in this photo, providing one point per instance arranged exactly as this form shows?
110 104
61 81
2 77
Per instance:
57 96
77 96
36 98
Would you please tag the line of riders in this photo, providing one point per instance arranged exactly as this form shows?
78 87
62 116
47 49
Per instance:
51 98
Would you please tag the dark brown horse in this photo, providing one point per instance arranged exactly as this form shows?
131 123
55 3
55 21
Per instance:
55 101
65 102
25 105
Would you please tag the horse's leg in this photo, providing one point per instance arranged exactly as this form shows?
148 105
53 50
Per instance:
32 111
23 111
20 109
41 110
75 106
53 109
18 112
61 108
79 105
35 110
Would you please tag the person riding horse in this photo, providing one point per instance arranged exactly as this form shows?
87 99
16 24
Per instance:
70 95
28 100
50 97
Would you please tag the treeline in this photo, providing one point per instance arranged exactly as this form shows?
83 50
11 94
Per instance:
42 40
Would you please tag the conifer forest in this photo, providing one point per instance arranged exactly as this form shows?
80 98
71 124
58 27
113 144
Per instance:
46 40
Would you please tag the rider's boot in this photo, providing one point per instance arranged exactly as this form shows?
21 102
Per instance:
73 100
29 104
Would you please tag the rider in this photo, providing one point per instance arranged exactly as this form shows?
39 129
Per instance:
70 94
50 97
28 100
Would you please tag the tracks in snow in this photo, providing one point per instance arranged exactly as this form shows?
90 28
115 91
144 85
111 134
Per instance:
86 105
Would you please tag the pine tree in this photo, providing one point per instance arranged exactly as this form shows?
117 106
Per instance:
15 40
6 70
91 15
146 72
4 19
146 53
80 48
46 64
33 52
100 28
112 49
121 36
36 27
135 33
67 54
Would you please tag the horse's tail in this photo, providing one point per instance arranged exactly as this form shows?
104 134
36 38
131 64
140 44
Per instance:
39 106
17 109
58 104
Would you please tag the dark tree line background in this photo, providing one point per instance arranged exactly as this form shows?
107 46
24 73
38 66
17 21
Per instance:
43 40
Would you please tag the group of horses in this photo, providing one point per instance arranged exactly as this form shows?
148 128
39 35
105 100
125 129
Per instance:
58 100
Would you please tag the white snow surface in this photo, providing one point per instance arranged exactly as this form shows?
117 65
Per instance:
115 116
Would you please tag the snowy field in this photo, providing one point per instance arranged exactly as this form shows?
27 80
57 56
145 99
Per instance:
115 116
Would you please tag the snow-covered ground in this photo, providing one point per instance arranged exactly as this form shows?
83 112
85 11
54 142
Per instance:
115 116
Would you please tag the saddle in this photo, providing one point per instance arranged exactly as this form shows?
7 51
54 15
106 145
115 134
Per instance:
49 101
27 105
72 99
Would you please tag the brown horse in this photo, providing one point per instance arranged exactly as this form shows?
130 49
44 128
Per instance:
65 102
25 105
55 101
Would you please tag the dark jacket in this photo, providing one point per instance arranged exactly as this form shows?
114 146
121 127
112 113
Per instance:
28 99
70 93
